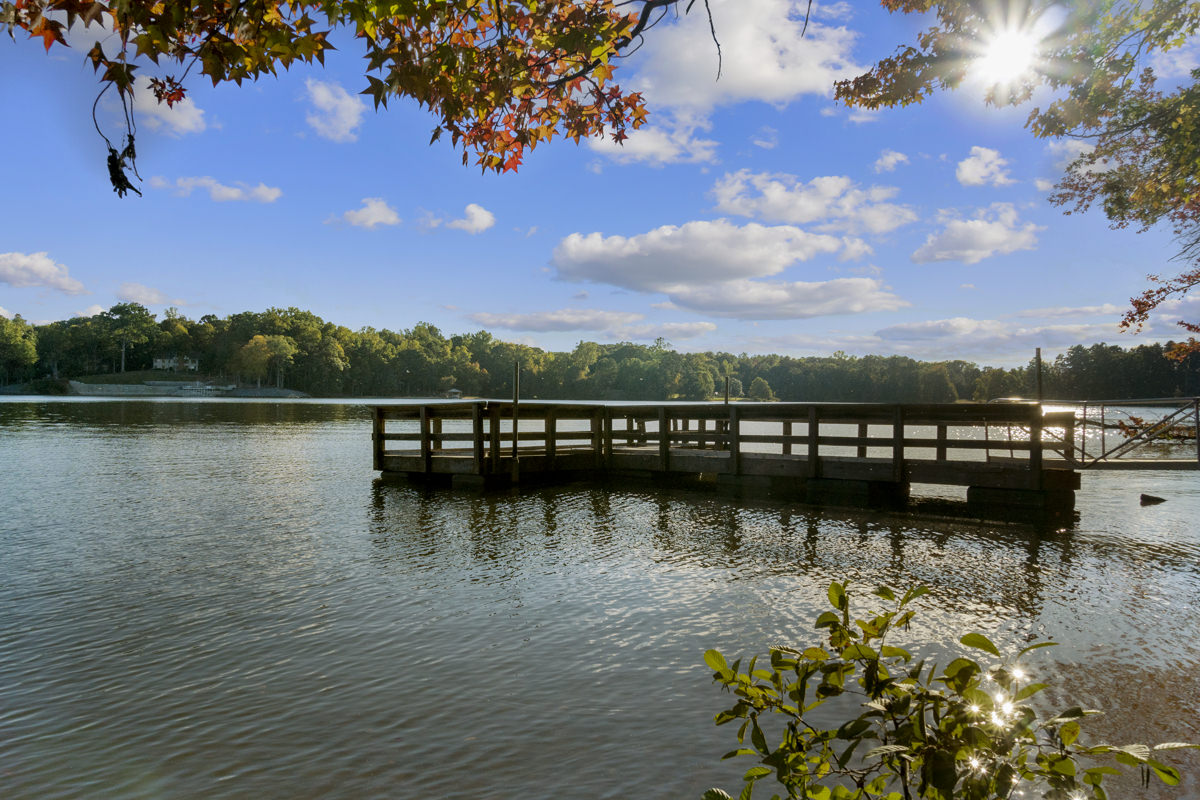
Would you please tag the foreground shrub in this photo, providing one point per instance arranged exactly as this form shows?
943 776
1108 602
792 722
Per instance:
964 733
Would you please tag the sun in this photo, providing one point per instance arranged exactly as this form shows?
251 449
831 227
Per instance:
1007 56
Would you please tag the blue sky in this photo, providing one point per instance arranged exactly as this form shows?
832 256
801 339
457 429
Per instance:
753 214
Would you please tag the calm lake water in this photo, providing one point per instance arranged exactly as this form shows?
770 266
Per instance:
219 599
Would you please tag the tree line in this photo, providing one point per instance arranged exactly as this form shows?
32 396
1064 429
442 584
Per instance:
298 350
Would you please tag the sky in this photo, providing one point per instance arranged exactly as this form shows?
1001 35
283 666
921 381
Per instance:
753 214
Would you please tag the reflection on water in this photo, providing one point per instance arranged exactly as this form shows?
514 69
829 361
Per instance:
216 599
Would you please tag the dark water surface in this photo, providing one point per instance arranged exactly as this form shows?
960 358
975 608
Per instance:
218 599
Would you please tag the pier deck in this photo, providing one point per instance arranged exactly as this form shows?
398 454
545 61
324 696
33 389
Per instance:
828 453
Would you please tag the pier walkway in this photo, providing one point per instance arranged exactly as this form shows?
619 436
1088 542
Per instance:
821 453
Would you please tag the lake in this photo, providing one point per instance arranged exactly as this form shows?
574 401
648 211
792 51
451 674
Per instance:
208 599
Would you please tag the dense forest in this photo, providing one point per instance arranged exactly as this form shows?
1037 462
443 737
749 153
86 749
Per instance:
299 350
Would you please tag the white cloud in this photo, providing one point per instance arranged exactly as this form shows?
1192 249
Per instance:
1064 151
336 114
374 211
767 138
966 336
656 145
220 192
91 311
982 167
994 231
666 330
184 117
4 312
854 249
694 253
746 299
566 319
1043 185
1107 309
835 200
477 219
764 56
888 161
25 270
146 295
1177 62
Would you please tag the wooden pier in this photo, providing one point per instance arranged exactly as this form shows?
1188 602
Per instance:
846 454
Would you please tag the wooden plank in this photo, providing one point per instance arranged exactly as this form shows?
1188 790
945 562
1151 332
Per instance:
477 438
941 443
898 444
377 433
426 465
735 439
664 439
786 444
814 442
863 431
551 428
494 438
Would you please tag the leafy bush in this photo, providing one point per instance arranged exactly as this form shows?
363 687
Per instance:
964 733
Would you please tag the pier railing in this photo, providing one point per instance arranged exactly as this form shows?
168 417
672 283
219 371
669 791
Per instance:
944 443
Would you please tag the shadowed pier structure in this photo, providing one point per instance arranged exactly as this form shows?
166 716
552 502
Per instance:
846 454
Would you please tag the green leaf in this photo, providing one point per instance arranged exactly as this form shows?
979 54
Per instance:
758 739
913 594
885 592
980 642
1168 775
715 794
816 653
860 651
1036 646
1069 733
837 596
887 651
1176 746
754 773
1028 691
741 751
715 660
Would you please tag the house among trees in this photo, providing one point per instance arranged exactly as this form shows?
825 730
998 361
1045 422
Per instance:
177 363
453 394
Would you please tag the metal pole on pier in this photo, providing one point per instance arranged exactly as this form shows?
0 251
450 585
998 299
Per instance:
726 390
1038 359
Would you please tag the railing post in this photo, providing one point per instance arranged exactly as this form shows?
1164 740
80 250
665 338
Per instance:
664 439
436 434
863 430
426 454
787 433
1196 424
494 436
607 439
735 444
941 441
814 442
377 430
703 427
1035 447
1083 436
551 435
898 444
477 438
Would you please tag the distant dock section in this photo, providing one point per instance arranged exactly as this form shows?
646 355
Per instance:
844 454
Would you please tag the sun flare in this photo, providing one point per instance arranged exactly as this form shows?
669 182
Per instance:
1007 56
